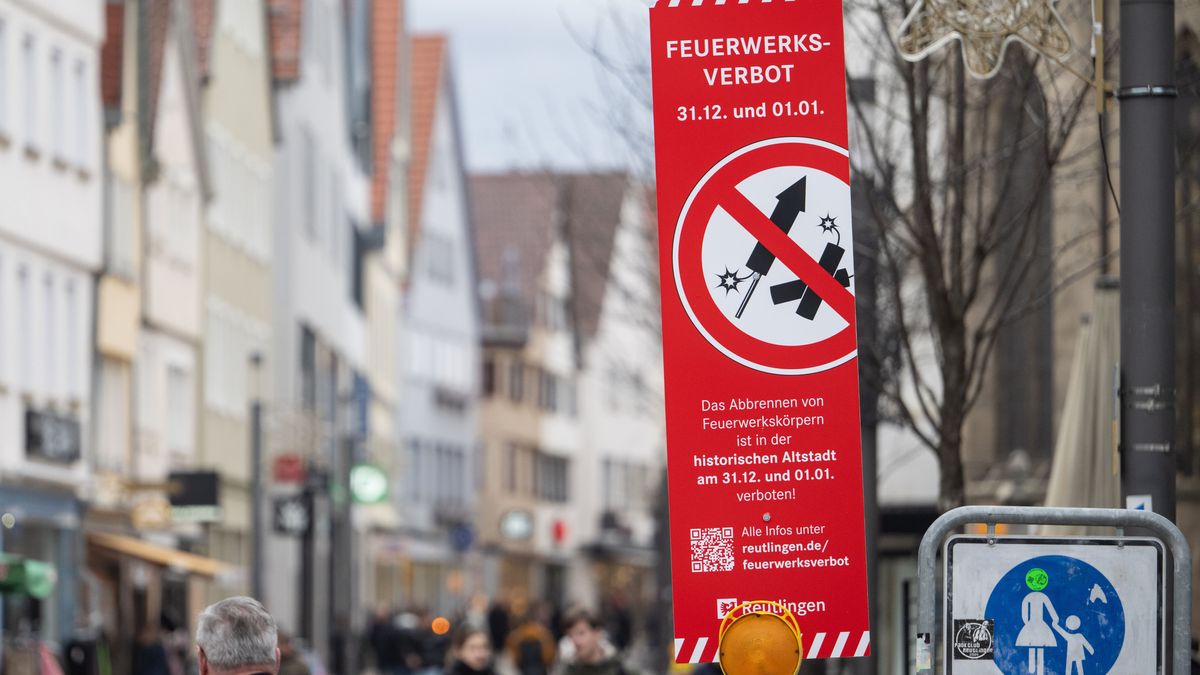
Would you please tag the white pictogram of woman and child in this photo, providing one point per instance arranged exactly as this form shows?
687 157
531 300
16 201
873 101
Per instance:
1037 635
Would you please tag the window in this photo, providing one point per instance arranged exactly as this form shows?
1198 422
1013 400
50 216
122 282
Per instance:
624 485
57 106
308 187
179 418
113 420
120 248
29 65
520 468
551 478
25 346
551 311
3 322
4 97
227 349
548 391
516 380
81 107
310 22
336 223
308 369
510 468
439 257
74 343
606 484
489 376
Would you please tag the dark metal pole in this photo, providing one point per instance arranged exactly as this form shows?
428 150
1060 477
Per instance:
307 574
866 274
257 588
1147 96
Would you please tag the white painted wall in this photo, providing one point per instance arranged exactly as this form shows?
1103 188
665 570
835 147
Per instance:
318 190
174 207
440 333
165 375
622 389
316 177
50 224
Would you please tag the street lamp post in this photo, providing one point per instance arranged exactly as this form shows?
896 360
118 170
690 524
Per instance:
1147 210
256 478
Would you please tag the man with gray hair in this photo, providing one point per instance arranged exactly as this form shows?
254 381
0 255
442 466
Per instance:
237 636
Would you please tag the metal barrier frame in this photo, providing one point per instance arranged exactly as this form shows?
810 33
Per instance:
951 521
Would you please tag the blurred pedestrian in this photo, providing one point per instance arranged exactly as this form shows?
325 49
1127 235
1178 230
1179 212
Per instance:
387 643
498 623
592 654
620 623
237 636
291 661
150 655
531 647
471 652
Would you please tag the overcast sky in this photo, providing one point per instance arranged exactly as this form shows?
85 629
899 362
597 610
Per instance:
530 96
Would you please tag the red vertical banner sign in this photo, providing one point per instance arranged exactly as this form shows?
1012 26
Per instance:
763 440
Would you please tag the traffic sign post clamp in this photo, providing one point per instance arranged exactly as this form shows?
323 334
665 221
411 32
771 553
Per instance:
952 521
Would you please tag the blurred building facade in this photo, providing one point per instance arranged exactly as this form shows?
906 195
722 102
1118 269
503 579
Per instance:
571 421
318 342
385 266
141 573
614 308
233 63
439 347
52 171
528 515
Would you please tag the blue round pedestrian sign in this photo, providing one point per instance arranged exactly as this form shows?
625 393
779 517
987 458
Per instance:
1056 615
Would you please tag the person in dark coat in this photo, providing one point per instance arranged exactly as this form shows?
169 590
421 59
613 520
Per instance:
150 655
593 654
291 661
498 623
387 644
471 652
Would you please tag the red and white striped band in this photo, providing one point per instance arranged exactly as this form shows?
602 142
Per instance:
816 646
697 3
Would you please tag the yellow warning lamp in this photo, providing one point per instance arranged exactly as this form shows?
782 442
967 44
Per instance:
760 638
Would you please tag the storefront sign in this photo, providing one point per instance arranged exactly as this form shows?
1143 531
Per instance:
368 484
51 437
292 515
195 496
758 309
289 467
516 525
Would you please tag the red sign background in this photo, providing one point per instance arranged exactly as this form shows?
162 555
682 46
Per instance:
764 455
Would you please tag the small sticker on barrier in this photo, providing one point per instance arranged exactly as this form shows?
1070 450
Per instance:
973 639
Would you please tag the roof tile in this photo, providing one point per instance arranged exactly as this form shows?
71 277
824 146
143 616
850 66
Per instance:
428 63
387 41
112 55
285 23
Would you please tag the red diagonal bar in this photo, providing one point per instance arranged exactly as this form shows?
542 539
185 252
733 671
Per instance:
789 253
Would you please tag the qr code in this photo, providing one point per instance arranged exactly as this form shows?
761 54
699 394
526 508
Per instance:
712 549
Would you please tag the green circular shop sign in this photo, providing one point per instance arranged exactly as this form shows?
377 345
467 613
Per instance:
368 484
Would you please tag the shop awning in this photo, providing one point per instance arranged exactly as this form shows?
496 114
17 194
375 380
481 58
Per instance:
160 555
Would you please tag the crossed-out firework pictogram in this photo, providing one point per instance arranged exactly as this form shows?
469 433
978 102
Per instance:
816 282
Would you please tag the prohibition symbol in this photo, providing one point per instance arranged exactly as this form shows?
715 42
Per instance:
762 257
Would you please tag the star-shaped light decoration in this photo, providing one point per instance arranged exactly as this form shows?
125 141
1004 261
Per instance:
985 27
730 281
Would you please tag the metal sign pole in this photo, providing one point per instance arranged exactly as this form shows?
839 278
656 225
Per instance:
950 522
